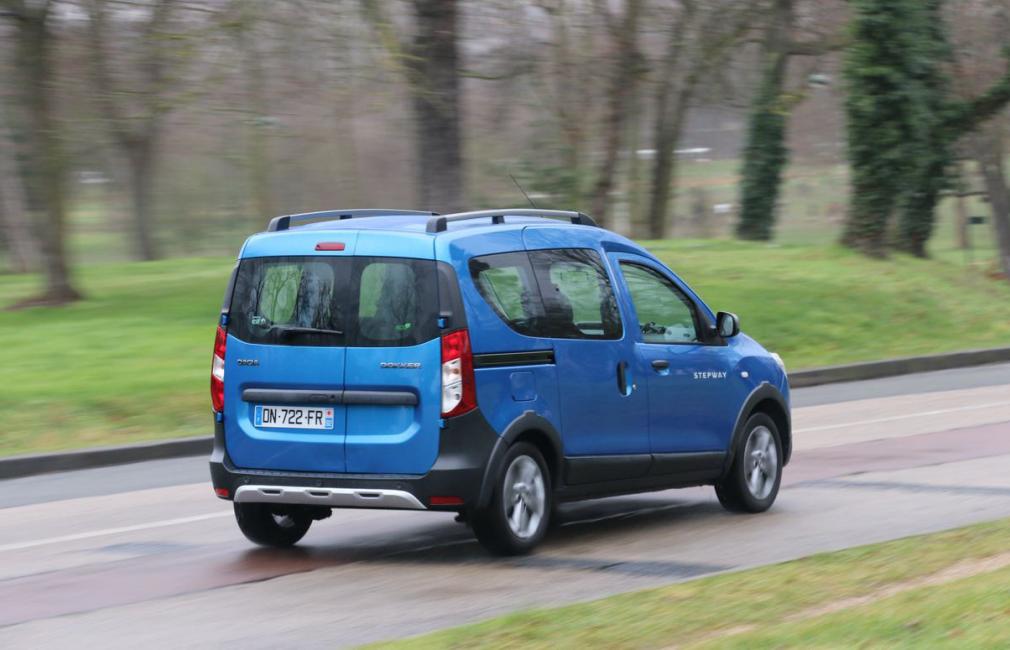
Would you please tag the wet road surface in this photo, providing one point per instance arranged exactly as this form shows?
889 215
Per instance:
145 555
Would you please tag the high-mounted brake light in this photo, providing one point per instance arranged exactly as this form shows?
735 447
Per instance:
217 370
330 246
459 392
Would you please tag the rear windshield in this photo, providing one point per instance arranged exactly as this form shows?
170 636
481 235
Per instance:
335 301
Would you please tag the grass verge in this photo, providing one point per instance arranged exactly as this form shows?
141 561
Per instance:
787 605
132 361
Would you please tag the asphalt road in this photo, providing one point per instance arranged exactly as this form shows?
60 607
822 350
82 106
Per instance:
144 555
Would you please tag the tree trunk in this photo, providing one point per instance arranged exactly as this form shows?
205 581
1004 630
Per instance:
989 153
866 224
918 210
669 122
765 153
669 116
436 104
47 166
961 227
137 136
624 77
21 245
258 148
140 154
636 212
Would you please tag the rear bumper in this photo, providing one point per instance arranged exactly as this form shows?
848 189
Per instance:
328 497
465 446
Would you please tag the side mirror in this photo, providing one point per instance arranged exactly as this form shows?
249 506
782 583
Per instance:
727 324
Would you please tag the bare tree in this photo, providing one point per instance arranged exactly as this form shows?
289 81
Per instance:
21 246
46 172
989 152
245 24
980 27
135 127
626 69
766 153
700 38
566 86
430 63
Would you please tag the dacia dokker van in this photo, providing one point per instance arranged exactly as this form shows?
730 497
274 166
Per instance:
491 363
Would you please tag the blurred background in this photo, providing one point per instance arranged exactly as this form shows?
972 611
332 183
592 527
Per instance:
834 172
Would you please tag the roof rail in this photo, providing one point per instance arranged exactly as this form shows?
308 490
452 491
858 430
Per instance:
285 221
440 223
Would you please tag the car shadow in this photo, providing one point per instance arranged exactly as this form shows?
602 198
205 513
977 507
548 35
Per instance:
577 526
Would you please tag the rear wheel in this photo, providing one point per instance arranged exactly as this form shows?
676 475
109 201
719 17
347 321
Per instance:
274 525
517 518
753 481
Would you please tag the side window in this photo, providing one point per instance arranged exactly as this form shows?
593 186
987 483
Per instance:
506 282
577 293
665 315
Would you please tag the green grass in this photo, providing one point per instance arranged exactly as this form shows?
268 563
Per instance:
776 605
132 361
970 613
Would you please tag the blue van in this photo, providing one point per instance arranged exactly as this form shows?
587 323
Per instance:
490 363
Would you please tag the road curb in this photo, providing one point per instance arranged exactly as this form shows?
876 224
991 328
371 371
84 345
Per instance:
62 461
896 367
33 464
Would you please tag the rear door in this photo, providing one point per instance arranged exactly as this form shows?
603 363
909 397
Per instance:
356 336
392 380
286 352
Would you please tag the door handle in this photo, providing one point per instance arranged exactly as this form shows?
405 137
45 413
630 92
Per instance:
622 377
660 364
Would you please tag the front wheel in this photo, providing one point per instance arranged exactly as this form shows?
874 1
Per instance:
268 524
520 510
753 480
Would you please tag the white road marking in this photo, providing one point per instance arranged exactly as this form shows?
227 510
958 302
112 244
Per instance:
112 531
894 418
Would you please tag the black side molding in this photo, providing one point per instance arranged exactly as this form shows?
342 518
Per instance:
503 359
600 469
699 463
376 397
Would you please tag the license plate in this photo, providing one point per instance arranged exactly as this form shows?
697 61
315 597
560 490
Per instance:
293 417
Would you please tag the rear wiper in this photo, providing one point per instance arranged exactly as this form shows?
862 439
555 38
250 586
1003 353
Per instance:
306 330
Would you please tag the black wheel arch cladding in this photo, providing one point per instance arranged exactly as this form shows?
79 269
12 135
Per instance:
529 427
768 400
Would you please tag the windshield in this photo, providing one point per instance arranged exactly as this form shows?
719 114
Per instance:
334 301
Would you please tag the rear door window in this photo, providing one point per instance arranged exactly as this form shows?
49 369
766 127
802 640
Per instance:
389 309
577 294
334 301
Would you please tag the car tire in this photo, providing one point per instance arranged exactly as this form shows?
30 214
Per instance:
753 480
267 524
519 513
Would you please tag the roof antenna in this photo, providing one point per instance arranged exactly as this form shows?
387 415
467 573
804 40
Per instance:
523 191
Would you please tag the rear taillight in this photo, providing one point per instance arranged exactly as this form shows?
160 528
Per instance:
459 393
217 370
